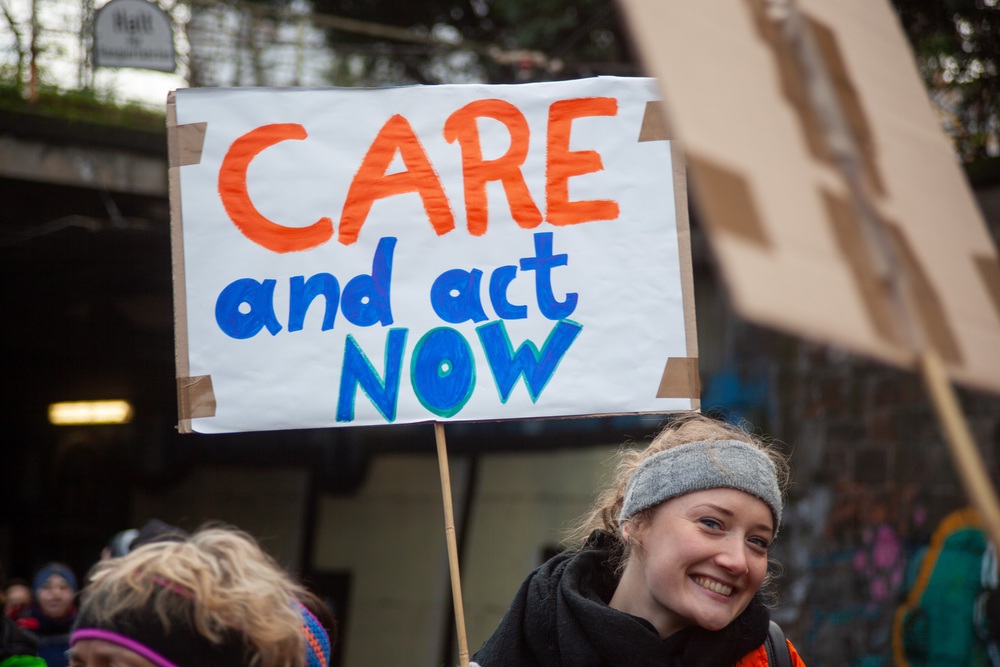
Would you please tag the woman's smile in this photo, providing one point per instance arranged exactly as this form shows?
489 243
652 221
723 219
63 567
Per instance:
714 586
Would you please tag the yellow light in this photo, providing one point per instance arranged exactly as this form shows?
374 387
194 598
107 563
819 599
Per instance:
90 412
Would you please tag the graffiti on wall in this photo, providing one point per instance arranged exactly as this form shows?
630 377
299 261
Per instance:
944 619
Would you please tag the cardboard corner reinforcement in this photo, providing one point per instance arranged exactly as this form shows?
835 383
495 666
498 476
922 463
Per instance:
654 124
189 141
680 379
195 397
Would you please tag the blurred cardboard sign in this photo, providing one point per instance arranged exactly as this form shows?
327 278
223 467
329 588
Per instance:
777 210
479 253
133 33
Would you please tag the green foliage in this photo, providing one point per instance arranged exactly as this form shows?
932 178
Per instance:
584 37
80 106
957 46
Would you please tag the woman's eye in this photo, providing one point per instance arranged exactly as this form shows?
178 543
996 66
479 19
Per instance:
760 543
712 523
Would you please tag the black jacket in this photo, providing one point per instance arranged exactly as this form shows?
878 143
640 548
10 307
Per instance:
561 617
14 640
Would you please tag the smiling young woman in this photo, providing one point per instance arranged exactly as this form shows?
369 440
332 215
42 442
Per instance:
668 567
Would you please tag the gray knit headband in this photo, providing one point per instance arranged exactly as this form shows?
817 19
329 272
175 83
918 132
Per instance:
706 464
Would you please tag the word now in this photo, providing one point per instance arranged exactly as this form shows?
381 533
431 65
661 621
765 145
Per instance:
443 369
371 182
246 306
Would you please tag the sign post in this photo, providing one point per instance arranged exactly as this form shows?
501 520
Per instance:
452 541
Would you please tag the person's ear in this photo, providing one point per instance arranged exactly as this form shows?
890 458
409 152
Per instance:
632 532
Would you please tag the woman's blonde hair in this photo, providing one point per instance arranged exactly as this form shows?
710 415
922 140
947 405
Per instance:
680 430
218 581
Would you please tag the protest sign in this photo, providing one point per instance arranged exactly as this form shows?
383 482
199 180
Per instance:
780 213
461 252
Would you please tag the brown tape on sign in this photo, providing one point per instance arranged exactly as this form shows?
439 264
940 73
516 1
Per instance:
876 296
195 397
930 309
851 243
190 140
680 379
684 247
654 123
989 272
793 87
731 208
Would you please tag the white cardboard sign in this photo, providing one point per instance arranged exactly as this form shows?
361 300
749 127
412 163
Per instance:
460 252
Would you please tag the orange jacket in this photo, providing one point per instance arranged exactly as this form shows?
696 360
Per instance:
758 657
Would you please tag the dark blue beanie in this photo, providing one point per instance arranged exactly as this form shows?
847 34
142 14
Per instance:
54 568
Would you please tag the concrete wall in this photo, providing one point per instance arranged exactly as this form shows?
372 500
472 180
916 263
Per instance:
524 504
390 537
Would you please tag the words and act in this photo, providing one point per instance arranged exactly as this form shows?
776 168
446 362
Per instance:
442 371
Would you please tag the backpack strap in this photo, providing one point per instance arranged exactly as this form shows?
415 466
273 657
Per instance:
776 647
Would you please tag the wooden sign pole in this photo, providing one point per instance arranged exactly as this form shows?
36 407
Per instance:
963 450
449 532
821 93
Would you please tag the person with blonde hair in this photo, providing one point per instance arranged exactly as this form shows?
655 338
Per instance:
668 567
212 598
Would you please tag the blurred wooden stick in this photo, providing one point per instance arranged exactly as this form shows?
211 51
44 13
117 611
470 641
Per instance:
968 462
449 532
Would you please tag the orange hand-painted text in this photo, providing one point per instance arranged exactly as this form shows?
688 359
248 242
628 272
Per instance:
397 137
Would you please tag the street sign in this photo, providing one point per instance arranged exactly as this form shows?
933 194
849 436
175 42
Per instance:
133 33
